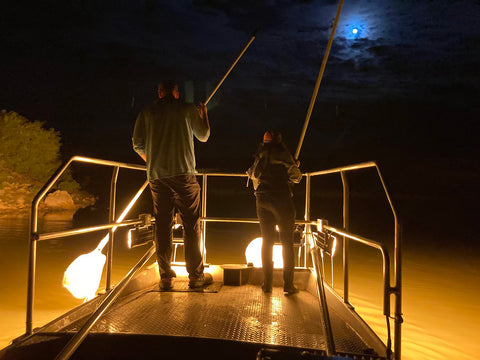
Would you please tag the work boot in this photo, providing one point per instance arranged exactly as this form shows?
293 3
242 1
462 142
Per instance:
167 280
196 282
166 284
290 289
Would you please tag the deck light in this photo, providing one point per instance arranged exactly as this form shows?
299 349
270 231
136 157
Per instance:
253 254
144 233
326 242
140 235
83 275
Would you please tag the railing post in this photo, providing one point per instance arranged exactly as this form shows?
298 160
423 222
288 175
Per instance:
308 185
31 278
32 261
398 293
346 241
204 215
111 217
398 273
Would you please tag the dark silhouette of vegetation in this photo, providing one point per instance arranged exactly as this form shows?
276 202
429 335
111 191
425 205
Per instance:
29 155
27 147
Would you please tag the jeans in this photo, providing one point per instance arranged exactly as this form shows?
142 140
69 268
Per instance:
183 193
277 209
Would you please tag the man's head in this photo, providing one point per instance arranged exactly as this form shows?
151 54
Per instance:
168 87
272 136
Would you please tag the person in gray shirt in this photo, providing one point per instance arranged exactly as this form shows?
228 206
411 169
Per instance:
164 138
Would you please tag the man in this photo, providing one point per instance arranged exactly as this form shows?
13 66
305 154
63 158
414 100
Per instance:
273 173
163 137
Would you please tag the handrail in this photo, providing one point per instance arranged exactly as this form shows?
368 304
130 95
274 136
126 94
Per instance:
248 220
77 339
59 234
34 236
396 290
344 168
386 262
322 298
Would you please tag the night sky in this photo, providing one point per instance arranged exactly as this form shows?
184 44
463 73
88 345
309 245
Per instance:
403 90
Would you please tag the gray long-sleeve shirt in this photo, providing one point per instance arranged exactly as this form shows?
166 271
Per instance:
164 132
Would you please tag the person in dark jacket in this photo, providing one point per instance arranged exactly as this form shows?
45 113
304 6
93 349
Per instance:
273 174
163 137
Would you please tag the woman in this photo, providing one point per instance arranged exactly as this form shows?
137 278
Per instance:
273 174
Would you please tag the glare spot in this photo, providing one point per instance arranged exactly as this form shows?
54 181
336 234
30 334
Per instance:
354 31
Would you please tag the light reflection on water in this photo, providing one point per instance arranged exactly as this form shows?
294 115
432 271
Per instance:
439 302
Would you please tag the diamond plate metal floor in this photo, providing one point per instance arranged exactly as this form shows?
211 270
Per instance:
224 313
238 313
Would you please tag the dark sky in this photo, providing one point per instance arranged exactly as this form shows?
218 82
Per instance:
404 90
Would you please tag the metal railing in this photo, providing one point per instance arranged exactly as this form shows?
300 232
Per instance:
307 222
36 237
396 289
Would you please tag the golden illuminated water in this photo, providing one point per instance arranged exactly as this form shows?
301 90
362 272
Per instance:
441 287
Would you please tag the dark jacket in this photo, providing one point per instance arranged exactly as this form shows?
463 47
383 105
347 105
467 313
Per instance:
274 169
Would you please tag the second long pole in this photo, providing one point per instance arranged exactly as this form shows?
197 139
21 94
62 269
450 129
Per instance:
319 79
231 67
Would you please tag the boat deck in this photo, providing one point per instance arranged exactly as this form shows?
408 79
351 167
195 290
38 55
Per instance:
217 320
238 313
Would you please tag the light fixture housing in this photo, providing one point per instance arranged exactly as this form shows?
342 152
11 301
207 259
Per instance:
140 235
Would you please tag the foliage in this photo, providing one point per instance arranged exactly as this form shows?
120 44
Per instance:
30 152
67 183
27 148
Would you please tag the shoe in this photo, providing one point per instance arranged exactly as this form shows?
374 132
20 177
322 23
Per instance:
200 281
290 290
166 279
267 288
166 284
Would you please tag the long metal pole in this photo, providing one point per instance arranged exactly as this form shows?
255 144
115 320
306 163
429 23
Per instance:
231 67
319 79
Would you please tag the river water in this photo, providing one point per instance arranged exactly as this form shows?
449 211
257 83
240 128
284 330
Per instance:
440 303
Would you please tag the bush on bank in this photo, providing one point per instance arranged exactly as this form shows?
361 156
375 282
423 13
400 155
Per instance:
29 155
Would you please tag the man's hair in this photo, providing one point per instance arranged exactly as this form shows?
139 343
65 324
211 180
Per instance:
272 136
167 86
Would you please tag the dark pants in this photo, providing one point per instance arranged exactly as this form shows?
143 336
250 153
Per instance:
183 193
277 209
